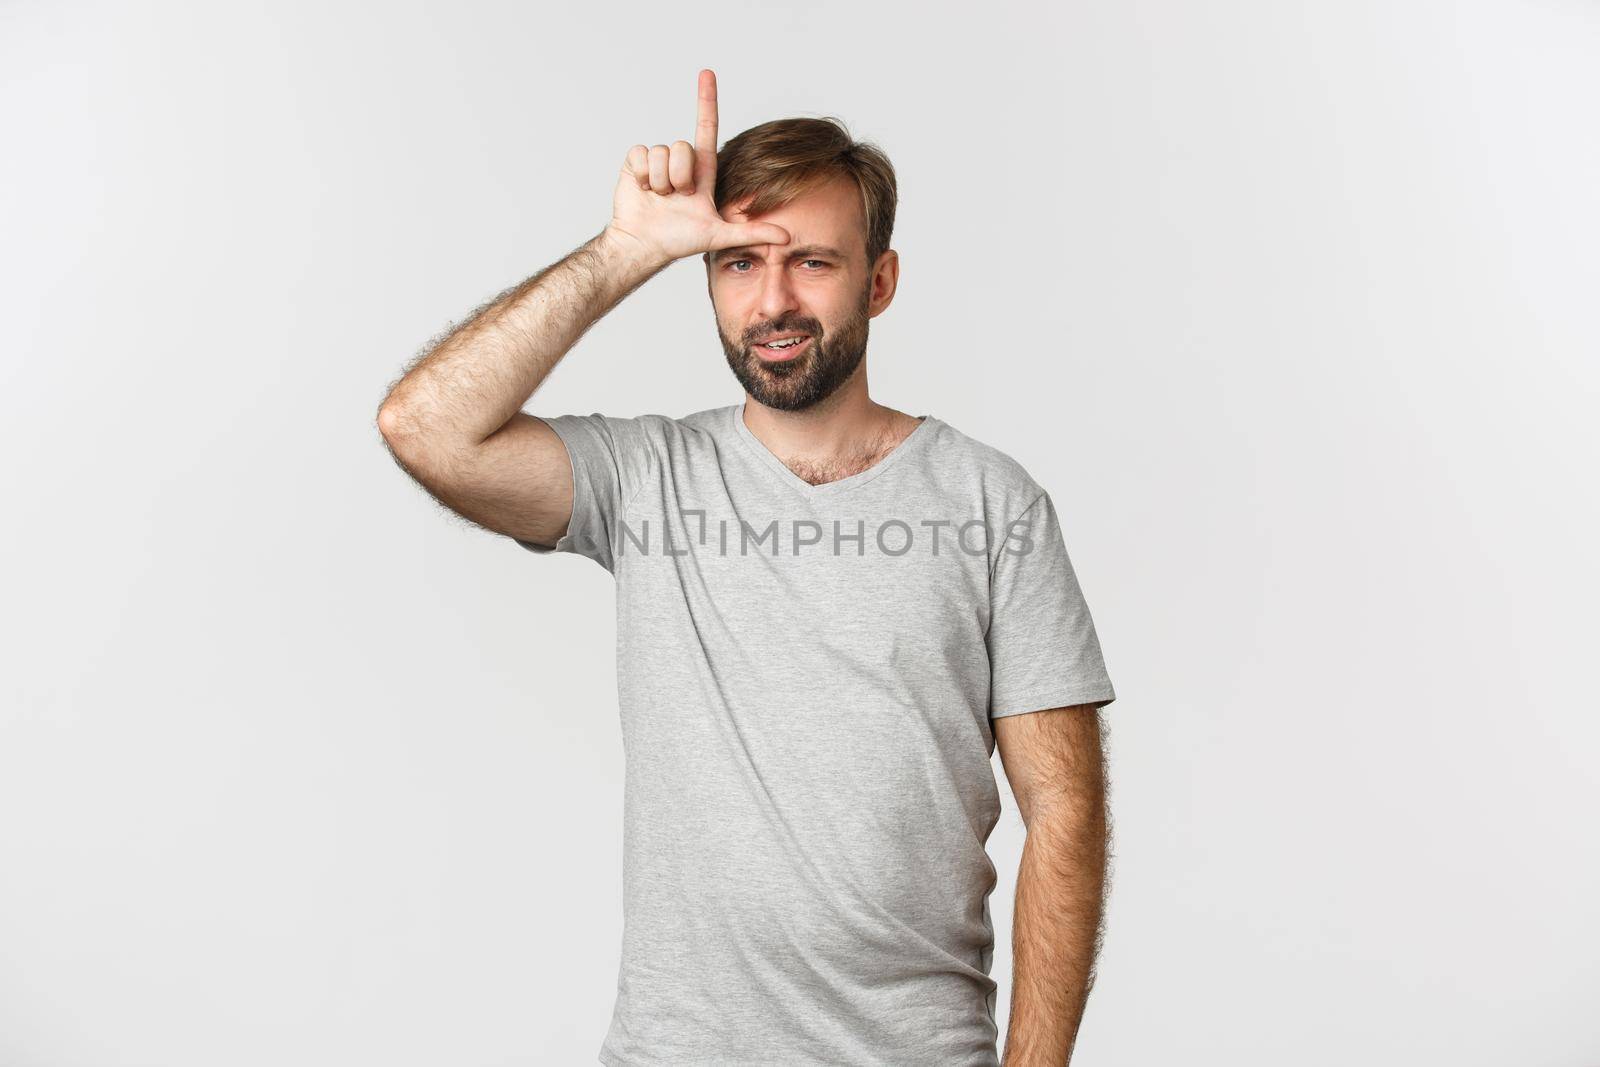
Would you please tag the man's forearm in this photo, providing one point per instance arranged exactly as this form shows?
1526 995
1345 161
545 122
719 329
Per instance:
1056 928
481 374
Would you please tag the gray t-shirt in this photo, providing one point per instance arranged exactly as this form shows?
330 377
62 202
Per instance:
806 677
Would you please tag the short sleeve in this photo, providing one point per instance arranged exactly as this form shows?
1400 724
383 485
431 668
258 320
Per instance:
1043 649
611 458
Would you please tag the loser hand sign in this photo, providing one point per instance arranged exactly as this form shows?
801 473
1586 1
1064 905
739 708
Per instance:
665 197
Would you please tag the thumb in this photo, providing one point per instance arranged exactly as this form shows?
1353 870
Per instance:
737 234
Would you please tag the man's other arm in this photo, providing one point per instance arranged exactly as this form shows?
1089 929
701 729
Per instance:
454 420
1055 763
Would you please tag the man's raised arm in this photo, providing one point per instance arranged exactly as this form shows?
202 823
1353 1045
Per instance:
454 421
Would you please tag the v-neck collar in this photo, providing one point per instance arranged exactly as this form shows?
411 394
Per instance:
805 488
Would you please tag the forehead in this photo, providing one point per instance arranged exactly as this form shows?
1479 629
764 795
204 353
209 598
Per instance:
828 214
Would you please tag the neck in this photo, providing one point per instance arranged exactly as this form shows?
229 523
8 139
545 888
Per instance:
844 434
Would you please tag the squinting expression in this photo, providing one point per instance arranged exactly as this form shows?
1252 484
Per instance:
815 288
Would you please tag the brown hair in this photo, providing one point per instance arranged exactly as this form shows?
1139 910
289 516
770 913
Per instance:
777 161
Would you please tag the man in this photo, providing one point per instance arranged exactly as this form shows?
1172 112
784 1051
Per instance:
830 613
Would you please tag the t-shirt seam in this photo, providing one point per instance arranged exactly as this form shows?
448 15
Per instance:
1082 691
651 461
994 568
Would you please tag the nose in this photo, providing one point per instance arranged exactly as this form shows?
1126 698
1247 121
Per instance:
777 293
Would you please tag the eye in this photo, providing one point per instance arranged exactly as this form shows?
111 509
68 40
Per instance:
821 264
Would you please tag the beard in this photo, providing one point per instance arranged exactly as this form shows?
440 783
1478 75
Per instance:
809 378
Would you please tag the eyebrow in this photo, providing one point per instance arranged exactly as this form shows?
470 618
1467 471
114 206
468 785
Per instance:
803 252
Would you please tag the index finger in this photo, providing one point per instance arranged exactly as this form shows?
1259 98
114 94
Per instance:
705 129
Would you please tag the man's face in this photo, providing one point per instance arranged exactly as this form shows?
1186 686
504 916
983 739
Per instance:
818 285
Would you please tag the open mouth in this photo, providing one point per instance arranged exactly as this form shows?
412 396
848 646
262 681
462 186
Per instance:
784 348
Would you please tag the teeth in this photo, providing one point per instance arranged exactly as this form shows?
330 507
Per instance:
785 344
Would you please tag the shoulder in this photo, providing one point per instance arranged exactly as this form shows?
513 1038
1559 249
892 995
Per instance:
1006 486
1018 511
708 421
675 434
648 428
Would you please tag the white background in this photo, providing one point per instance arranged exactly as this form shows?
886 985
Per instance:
1291 306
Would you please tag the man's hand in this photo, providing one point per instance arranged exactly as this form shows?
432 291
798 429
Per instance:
665 208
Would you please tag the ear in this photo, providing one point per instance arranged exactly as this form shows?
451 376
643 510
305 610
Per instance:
887 274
